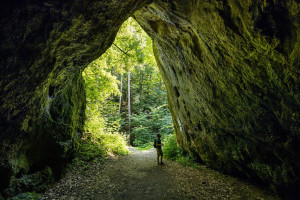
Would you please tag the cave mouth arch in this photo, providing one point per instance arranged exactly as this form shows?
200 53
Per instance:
233 96
126 79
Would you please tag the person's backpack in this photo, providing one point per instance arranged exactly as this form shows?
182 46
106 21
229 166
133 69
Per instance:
154 143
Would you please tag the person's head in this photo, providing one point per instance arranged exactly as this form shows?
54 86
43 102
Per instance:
158 135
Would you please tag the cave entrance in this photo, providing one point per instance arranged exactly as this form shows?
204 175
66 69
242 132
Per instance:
126 99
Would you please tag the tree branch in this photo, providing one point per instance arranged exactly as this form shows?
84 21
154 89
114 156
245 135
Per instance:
123 50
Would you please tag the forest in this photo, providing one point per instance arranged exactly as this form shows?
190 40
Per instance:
126 100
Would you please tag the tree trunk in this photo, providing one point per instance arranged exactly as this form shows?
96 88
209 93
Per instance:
148 86
141 82
129 109
121 86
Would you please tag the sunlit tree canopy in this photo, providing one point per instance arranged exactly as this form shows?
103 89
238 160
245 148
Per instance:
130 59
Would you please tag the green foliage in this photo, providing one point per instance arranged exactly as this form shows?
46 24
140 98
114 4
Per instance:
173 152
100 84
102 119
146 125
130 52
97 146
27 196
115 143
90 151
171 149
150 114
145 146
187 161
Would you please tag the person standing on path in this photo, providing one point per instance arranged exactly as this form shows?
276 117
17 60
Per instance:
158 145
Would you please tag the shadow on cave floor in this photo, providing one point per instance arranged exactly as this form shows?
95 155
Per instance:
137 176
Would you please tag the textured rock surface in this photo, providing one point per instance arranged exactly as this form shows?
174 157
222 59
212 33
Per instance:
232 74
44 47
231 69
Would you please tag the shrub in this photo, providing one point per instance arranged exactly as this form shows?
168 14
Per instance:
146 146
171 149
115 143
27 196
97 146
173 152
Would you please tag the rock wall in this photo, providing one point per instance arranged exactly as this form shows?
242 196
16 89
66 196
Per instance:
44 47
231 69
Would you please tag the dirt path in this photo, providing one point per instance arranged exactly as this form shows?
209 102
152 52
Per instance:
138 177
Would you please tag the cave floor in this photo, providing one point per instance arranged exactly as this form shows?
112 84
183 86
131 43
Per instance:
137 176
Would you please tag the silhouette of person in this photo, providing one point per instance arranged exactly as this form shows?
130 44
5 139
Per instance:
158 145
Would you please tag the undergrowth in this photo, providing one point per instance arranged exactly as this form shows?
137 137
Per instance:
95 148
27 196
146 146
173 152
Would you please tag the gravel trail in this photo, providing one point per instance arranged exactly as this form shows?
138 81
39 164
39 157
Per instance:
138 177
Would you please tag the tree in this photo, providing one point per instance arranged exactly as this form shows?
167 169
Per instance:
142 109
120 101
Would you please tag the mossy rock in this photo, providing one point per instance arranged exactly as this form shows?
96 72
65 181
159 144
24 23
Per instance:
44 48
231 69
233 84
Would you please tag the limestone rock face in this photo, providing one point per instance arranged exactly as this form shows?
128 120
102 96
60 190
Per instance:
45 45
231 69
